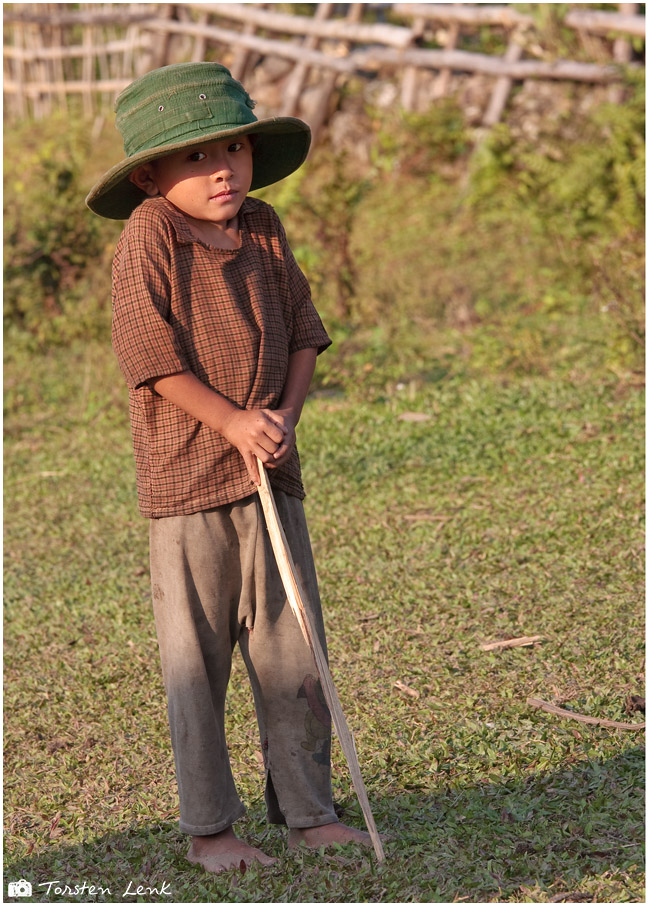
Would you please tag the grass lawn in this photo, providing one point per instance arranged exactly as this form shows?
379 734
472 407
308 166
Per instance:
443 514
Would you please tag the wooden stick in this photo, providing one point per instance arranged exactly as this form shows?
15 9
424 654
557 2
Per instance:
296 600
584 718
512 643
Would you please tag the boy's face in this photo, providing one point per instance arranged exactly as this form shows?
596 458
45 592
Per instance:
207 182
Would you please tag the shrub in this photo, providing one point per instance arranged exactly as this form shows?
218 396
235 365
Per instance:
56 253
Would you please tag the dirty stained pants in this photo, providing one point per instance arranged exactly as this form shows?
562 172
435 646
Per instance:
215 583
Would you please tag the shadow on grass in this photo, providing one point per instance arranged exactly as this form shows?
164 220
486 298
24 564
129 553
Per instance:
551 833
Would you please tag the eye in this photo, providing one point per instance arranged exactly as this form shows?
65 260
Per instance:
196 156
236 146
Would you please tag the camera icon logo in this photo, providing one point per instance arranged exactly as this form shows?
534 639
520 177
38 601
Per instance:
20 888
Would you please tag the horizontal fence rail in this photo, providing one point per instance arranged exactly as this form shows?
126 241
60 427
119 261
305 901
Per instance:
52 53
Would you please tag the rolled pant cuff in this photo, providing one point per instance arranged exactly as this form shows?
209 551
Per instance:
320 821
206 830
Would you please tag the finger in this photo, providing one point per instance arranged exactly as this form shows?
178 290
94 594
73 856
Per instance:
266 447
275 421
253 469
281 452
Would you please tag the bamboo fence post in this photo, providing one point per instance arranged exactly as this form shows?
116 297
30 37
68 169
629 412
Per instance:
299 75
443 80
103 66
242 54
58 67
34 74
503 84
87 70
161 53
329 79
126 58
21 106
200 41
622 51
411 73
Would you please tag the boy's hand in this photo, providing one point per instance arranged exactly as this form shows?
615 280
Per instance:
256 433
287 419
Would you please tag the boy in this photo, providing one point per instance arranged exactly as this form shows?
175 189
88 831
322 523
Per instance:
217 337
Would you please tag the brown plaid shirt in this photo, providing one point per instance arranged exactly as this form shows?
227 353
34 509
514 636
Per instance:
233 318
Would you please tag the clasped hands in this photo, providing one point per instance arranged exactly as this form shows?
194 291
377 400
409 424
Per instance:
267 434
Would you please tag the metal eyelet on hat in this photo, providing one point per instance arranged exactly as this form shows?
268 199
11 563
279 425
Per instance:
161 108
203 97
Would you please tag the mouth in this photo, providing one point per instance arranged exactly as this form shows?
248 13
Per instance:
225 195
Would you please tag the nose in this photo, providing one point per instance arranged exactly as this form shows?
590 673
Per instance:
221 170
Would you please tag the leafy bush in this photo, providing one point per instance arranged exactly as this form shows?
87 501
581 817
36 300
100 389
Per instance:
56 253
583 181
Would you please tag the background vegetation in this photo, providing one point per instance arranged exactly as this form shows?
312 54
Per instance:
474 454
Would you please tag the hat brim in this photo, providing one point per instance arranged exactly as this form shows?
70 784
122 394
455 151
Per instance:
281 146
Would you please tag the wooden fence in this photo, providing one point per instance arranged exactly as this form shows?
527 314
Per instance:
56 51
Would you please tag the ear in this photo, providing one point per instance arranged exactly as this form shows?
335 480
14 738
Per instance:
144 178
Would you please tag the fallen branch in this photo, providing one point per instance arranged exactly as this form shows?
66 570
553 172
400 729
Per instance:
583 718
512 643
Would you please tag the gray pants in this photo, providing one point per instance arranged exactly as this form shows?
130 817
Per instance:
215 583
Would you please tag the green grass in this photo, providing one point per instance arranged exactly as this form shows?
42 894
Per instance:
515 508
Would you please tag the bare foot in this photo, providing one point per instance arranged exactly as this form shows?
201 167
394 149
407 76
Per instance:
326 835
220 852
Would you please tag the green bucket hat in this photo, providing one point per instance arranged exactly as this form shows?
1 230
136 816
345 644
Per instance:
189 104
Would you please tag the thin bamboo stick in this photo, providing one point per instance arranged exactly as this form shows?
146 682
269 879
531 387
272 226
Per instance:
297 603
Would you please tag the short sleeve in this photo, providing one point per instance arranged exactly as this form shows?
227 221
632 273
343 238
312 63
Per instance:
143 338
308 331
